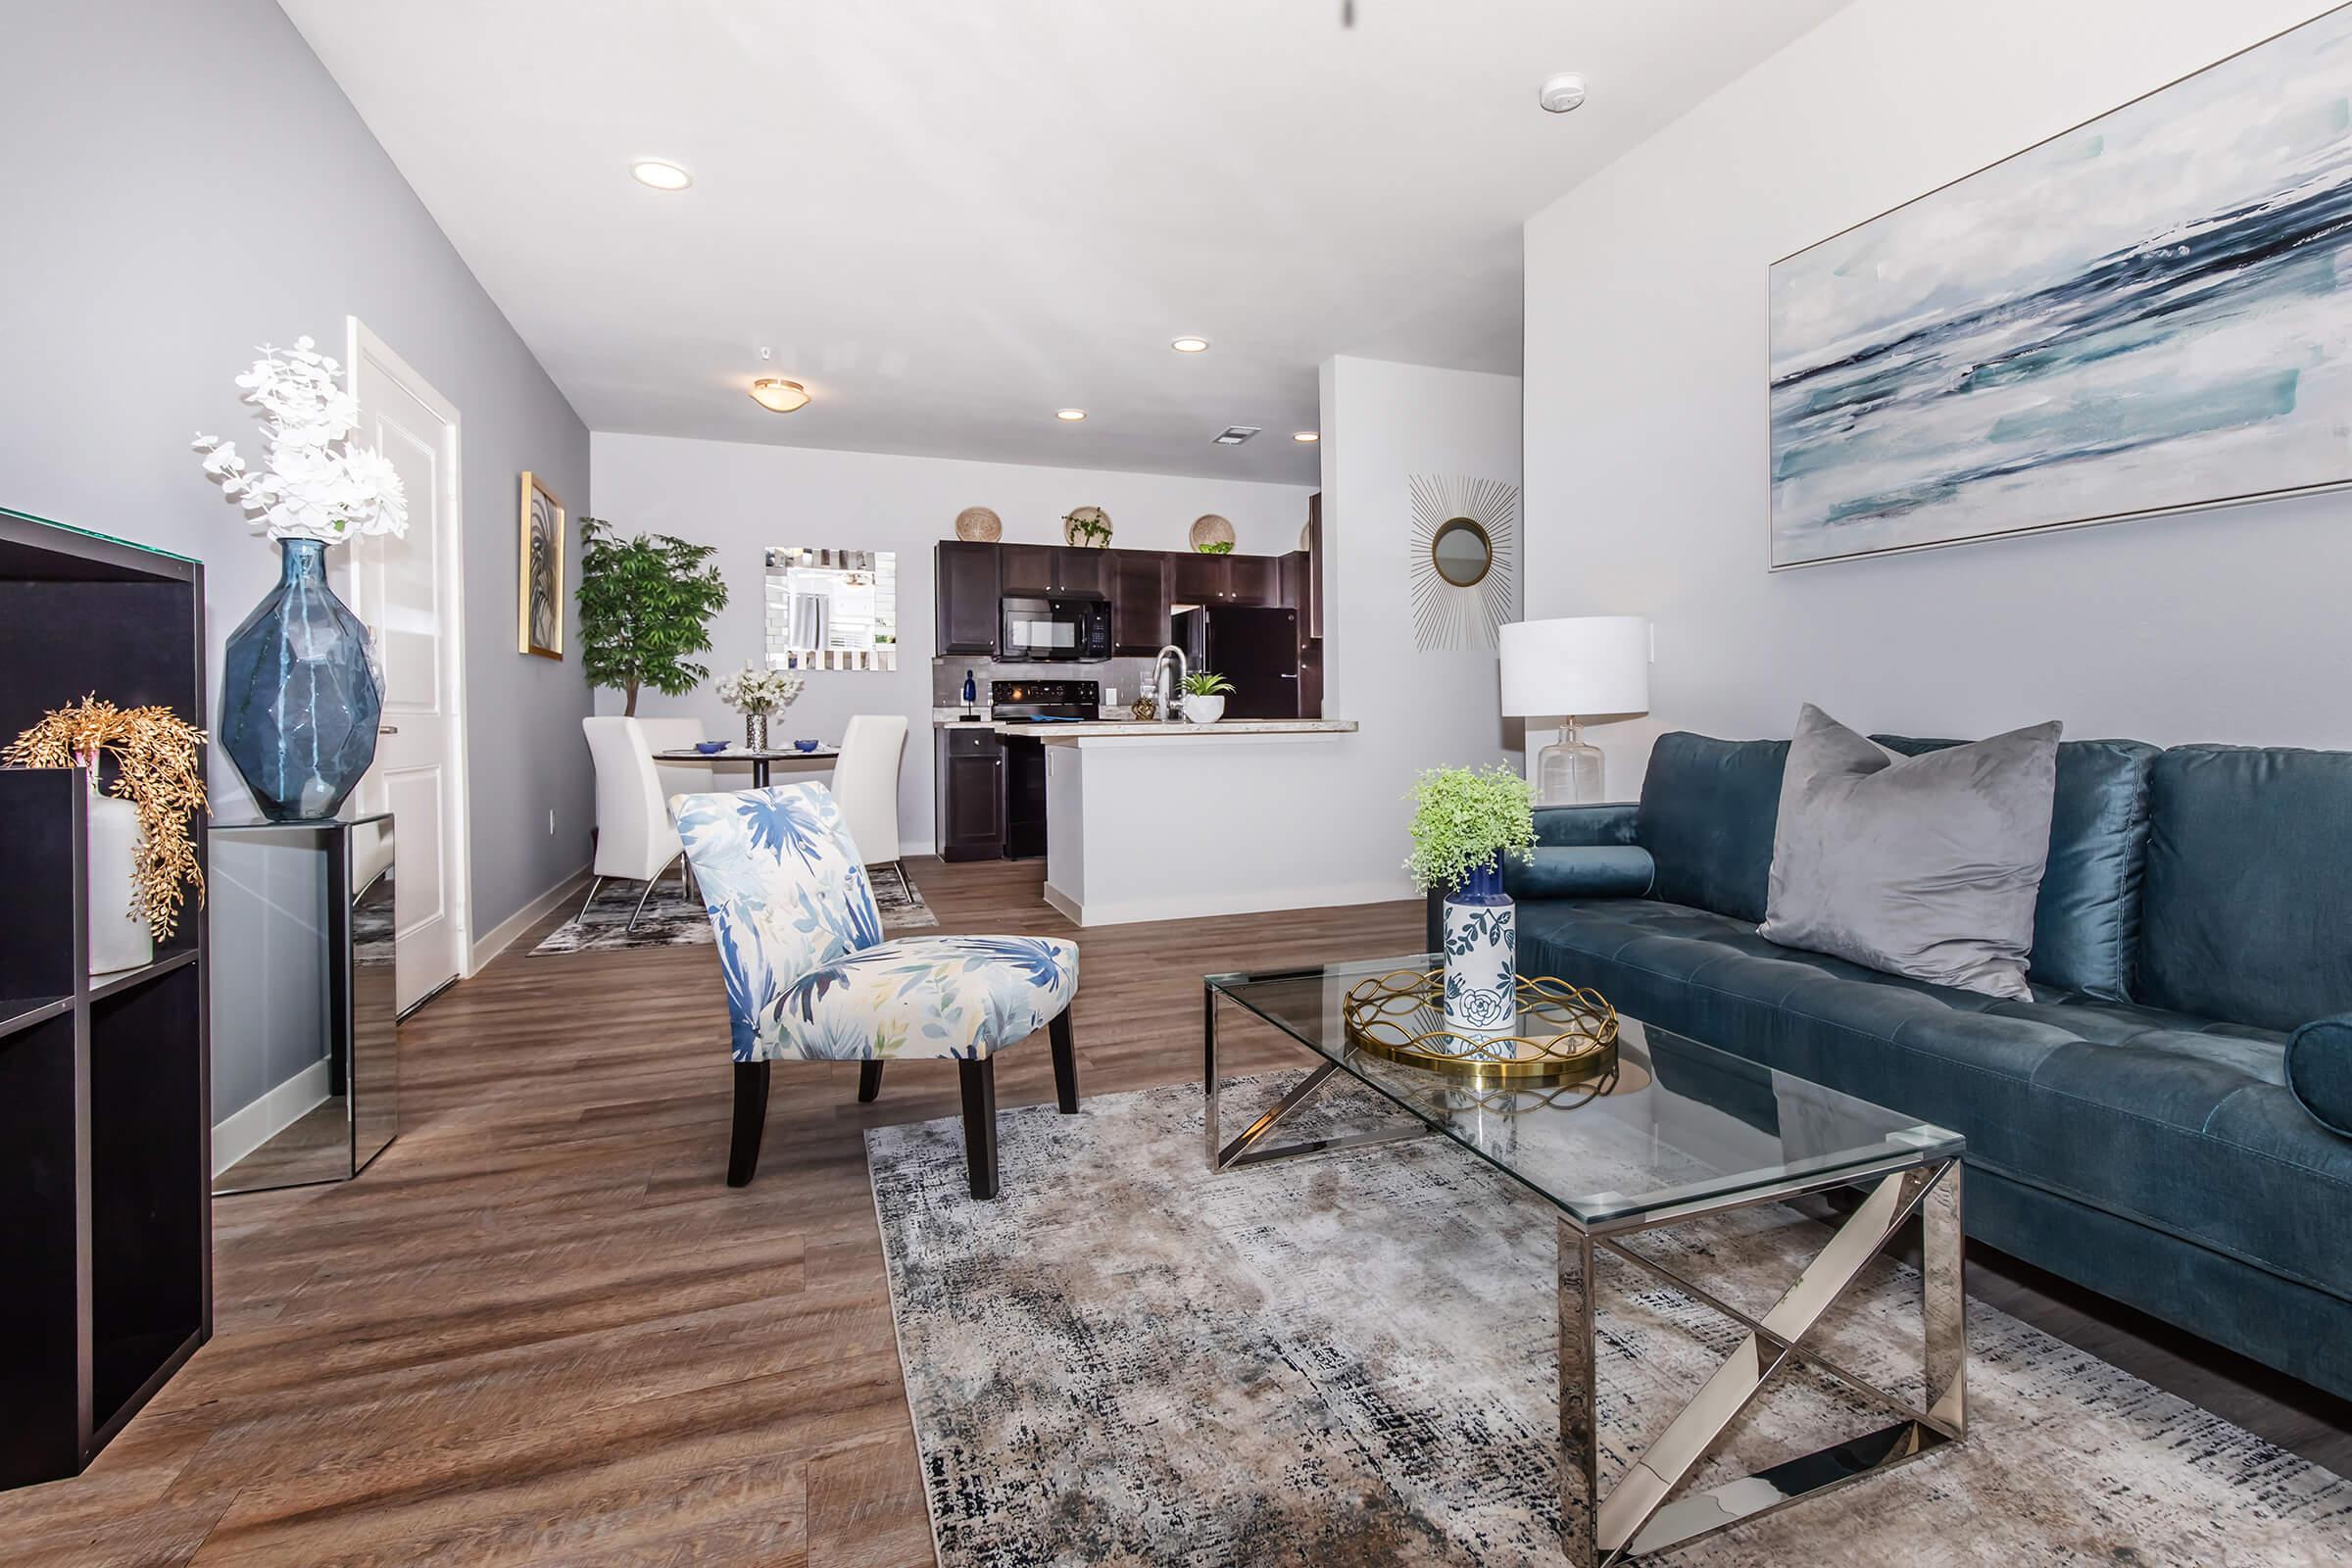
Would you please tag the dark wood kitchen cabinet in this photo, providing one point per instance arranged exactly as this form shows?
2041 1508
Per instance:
968 591
1141 582
971 793
1201 579
1254 580
1042 572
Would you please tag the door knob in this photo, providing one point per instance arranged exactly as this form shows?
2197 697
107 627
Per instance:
387 729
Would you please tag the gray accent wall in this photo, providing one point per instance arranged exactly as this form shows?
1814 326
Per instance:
187 182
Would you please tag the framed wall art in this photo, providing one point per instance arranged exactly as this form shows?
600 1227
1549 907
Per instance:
539 607
2151 312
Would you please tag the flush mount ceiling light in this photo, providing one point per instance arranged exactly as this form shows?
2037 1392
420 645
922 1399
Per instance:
1232 435
1306 435
658 174
1072 415
777 395
1190 345
1561 93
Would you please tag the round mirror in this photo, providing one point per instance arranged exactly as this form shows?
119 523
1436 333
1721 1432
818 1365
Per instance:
1462 552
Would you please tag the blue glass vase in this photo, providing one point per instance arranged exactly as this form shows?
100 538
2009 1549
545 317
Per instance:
299 701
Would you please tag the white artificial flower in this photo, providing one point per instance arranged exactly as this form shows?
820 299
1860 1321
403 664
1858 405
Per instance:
316 485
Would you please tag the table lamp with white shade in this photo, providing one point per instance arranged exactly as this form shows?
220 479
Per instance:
1575 666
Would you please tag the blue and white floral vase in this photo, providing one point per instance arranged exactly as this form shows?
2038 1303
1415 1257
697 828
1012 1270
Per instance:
1482 953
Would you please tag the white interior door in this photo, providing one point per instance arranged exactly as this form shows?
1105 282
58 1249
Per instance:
407 592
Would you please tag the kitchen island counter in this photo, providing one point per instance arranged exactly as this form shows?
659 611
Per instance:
1171 821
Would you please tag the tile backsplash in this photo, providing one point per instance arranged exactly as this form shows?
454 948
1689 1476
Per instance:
1127 675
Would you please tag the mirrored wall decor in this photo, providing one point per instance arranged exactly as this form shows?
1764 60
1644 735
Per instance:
832 608
1465 560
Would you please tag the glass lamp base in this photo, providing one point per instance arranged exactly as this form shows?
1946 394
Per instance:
1569 772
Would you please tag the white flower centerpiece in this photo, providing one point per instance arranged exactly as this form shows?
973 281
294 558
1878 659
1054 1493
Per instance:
756 692
300 697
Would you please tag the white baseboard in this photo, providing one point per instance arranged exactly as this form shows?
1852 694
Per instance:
1255 901
506 933
242 1132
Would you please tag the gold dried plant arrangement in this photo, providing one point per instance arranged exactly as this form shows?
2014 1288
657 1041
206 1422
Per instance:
158 762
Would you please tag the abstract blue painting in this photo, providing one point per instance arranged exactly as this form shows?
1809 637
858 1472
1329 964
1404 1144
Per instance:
2148 313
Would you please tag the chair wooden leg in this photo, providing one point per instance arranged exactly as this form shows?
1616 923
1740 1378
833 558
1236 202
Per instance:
751 1120
869 1082
980 1123
1065 1064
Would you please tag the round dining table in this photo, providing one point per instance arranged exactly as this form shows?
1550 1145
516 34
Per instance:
760 759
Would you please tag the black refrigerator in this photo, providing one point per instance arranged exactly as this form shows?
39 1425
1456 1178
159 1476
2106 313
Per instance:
1257 650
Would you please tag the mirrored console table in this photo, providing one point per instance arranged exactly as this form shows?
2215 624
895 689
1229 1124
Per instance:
304 921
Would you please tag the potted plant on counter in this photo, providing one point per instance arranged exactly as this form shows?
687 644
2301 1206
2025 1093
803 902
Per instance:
1204 692
1465 820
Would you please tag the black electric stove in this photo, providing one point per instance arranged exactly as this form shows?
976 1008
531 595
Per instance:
1044 701
1043 704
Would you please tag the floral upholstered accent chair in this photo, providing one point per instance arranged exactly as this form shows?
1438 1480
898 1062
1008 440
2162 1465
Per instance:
809 977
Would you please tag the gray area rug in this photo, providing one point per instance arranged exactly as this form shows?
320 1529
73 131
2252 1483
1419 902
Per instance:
1349 1358
672 920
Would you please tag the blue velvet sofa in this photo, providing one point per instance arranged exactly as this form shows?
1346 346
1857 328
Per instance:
2167 1121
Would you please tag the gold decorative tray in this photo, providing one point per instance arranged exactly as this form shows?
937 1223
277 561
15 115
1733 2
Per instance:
1562 1032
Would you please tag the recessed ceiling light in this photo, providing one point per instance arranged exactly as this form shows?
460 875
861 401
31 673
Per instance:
1306 435
1561 93
777 395
1190 345
661 175
1071 415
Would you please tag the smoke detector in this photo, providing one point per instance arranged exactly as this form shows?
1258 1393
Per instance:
1561 93
1232 435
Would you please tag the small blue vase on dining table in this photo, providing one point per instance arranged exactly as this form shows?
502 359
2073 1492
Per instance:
299 699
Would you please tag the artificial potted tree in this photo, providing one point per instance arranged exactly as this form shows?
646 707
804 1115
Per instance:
645 611
1465 820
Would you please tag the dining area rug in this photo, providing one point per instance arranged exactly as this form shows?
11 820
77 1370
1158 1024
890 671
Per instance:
1352 1357
673 920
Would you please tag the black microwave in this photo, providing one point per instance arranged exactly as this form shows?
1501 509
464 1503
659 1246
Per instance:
1058 628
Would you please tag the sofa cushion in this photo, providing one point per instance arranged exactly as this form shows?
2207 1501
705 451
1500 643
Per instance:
1706 820
2086 916
2176 1122
1922 865
2319 1069
2249 885
1579 871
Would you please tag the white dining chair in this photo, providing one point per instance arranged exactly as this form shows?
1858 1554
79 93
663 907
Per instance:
635 839
686 778
866 788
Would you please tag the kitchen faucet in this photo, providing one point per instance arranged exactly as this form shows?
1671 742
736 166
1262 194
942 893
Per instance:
1168 696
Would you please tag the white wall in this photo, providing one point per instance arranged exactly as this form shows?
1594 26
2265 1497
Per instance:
744 498
1382 424
1647 429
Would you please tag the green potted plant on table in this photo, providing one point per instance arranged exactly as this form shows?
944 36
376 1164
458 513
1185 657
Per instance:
1204 692
1465 820
644 609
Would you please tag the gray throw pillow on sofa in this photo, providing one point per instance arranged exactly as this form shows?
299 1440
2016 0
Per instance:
1926 867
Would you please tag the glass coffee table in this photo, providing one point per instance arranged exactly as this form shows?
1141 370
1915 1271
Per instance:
1643 1130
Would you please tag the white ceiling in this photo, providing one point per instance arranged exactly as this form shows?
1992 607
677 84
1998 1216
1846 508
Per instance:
950 218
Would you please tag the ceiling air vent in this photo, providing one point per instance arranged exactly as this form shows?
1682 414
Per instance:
1232 435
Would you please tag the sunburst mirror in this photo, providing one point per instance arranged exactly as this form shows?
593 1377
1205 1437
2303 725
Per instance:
1465 577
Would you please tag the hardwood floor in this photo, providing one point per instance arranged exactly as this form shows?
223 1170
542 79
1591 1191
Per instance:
541 1328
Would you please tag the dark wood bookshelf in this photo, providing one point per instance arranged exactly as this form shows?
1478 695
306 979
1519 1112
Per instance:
105 1085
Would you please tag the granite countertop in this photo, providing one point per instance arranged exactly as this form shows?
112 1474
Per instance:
1223 726
952 719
